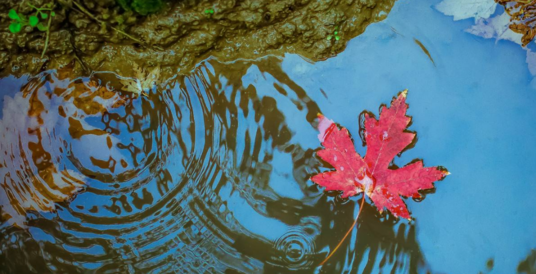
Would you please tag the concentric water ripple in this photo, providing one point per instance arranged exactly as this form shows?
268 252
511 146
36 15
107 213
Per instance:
203 175
296 249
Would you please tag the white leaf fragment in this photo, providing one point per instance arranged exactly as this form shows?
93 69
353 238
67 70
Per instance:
464 9
496 27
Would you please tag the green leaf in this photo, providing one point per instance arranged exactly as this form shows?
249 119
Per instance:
329 37
337 38
15 27
52 14
14 15
33 20
41 27
43 15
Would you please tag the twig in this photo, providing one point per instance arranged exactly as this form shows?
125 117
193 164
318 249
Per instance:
86 12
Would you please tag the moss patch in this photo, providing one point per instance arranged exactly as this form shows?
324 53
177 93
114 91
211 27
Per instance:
142 7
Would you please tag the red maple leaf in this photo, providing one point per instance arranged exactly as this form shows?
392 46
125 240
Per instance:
385 138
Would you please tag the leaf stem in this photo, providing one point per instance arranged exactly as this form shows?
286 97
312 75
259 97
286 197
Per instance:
347 233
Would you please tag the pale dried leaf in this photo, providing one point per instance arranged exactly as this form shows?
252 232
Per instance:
144 81
496 27
464 9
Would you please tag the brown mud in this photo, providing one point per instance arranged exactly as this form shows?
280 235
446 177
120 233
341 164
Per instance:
182 33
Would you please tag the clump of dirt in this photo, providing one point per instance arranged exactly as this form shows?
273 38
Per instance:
182 33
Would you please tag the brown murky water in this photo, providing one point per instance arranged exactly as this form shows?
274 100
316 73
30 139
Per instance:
188 179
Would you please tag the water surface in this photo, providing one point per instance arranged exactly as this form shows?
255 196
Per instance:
209 173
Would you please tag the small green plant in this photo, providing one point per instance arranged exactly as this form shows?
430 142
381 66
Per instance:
335 34
20 21
209 12
43 13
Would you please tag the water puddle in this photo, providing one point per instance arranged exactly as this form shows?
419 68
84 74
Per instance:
209 173
149 183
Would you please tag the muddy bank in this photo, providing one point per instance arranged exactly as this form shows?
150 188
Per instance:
182 33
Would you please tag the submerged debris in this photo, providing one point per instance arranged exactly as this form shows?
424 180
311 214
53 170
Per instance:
424 49
523 17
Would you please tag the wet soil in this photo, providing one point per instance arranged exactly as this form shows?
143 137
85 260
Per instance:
182 33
